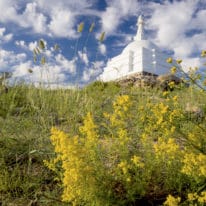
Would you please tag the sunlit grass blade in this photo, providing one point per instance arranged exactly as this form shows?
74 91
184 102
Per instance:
92 27
41 44
102 36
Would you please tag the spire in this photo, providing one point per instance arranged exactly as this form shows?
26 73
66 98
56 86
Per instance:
140 30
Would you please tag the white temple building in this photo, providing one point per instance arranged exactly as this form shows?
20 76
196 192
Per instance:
139 56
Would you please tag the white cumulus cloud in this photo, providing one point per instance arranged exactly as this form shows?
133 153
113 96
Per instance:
8 11
115 12
83 56
175 24
66 65
91 73
34 19
102 49
9 59
5 37
62 23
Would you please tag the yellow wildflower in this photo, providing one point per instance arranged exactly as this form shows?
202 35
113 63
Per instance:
165 93
137 161
202 197
169 60
128 179
172 201
203 54
179 61
166 148
192 196
173 70
163 108
89 128
120 106
175 98
171 84
194 165
123 166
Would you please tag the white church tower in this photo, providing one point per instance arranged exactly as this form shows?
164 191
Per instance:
140 56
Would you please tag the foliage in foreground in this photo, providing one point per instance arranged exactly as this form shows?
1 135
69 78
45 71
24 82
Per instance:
137 151
27 115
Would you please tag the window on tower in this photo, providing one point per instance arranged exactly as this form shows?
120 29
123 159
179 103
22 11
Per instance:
131 56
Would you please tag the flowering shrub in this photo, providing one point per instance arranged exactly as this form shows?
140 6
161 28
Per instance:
132 154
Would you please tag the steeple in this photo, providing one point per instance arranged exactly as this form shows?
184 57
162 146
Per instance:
140 30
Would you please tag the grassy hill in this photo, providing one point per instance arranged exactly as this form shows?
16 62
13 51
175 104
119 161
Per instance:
27 115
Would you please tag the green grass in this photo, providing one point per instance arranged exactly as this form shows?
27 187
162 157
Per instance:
26 117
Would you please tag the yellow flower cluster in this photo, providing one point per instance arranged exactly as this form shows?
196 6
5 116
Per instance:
173 70
129 168
165 115
73 153
89 128
137 161
124 166
203 53
79 156
163 108
168 149
171 84
169 60
172 201
194 165
114 157
123 137
120 108
194 139
197 198
159 110
165 93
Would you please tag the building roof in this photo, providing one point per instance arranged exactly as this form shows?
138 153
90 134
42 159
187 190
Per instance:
138 44
140 39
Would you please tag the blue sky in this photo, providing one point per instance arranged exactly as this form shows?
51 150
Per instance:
177 27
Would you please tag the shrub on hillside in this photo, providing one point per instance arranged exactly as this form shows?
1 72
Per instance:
116 166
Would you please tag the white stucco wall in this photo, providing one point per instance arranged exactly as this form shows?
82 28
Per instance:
122 65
